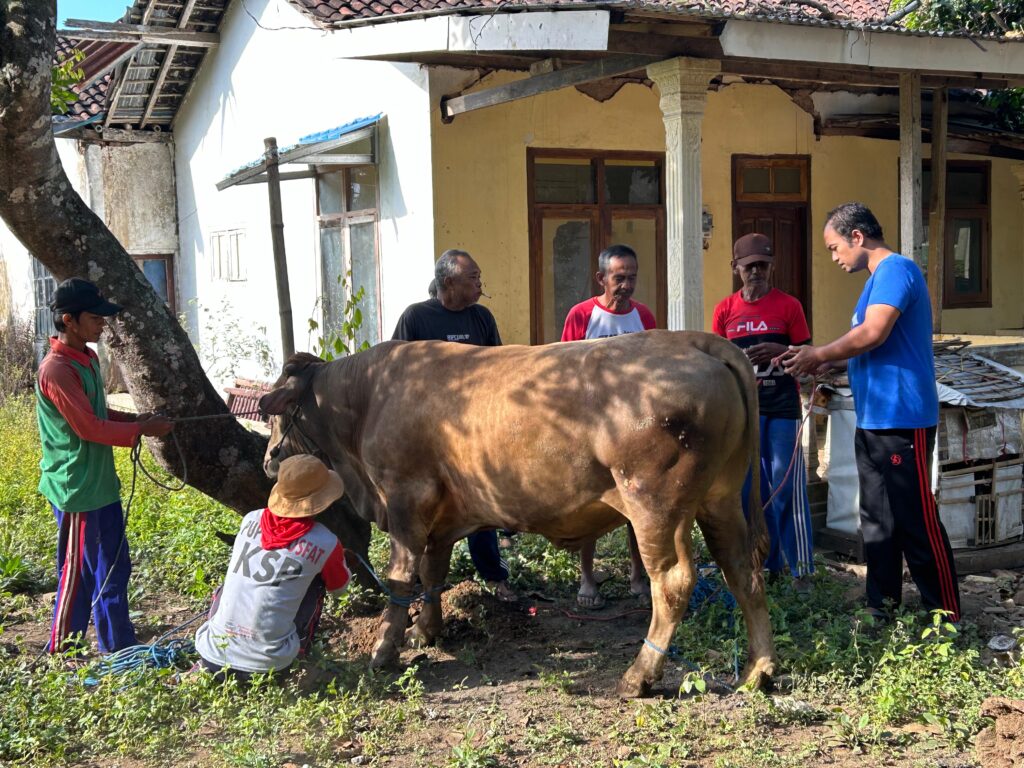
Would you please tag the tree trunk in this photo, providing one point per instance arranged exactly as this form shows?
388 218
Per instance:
160 365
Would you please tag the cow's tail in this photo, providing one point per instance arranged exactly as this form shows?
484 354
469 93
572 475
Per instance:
757 528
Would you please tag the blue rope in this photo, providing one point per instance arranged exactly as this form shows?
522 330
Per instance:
706 592
160 654
406 601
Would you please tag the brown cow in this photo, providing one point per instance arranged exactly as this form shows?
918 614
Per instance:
437 440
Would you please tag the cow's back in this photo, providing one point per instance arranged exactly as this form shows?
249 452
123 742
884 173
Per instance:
534 431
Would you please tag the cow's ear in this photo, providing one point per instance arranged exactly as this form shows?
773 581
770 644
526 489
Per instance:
277 402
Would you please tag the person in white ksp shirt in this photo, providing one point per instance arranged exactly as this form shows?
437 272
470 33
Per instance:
612 313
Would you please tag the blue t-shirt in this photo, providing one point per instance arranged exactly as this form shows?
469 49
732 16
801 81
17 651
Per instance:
894 384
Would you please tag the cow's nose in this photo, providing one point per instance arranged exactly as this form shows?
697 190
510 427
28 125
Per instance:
270 467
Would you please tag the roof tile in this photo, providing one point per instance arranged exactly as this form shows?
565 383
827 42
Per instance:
856 11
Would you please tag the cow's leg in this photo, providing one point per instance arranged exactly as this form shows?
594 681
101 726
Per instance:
433 572
725 531
401 573
670 566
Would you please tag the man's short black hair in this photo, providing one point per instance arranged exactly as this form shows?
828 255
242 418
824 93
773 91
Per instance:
850 216
618 251
58 318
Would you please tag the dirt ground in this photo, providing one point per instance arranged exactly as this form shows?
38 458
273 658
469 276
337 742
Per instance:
541 678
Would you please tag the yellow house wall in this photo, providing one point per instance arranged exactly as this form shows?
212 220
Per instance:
480 190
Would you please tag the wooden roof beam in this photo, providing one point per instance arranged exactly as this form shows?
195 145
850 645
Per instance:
165 67
545 83
134 33
862 77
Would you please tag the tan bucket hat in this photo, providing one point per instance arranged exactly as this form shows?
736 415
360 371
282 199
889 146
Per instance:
304 487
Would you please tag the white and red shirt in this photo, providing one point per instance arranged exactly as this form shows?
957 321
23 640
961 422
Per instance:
775 317
273 563
590 320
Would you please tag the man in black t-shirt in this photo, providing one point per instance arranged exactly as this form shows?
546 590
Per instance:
454 315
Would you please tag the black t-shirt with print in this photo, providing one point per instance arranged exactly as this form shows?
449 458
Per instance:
430 321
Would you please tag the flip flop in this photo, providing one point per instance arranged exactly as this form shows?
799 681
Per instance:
642 598
504 593
590 602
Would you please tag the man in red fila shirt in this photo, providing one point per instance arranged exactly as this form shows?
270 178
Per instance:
764 322
613 313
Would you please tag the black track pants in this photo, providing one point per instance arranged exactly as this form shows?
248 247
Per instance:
899 518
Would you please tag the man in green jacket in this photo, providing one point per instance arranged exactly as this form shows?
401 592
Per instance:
77 431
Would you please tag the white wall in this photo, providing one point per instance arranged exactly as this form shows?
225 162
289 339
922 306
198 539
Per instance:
275 80
17 263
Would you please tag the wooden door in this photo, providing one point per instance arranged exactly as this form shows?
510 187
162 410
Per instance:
786 225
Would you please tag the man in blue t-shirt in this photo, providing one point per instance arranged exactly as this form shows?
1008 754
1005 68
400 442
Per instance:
892 375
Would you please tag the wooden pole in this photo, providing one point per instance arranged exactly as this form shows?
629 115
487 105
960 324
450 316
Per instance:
937 206
911 207
284 300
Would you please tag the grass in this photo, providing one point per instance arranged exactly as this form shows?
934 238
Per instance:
855 688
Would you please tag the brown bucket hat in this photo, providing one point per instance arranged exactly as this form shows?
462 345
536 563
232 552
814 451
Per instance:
304 488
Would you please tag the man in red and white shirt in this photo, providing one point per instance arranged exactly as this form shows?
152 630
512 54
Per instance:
613 313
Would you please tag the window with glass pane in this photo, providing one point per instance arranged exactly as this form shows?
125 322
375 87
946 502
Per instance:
966 256
642 237
363 261
787 180
362 188
331 192
565 180
757 181
348 252
566 269
158 271
632 182
43 287
966 261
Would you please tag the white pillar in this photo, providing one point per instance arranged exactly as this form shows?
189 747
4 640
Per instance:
683 85
911 206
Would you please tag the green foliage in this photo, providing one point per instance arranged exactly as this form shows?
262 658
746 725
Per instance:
227 343
17 357
66 74
344 339
980 17
974 17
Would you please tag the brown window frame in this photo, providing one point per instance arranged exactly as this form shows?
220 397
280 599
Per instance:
743 162
951 299
601 214
168 260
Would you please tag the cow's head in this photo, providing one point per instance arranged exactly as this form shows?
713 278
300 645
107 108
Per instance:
294 411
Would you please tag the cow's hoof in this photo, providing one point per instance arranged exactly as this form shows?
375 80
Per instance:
632 686
758 675
417 637
385 654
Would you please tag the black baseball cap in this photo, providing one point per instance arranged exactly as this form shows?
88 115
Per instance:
78 295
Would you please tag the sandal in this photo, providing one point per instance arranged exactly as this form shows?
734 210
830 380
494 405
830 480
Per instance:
590 602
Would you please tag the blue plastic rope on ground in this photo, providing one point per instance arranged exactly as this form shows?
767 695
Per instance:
172 654
162 653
